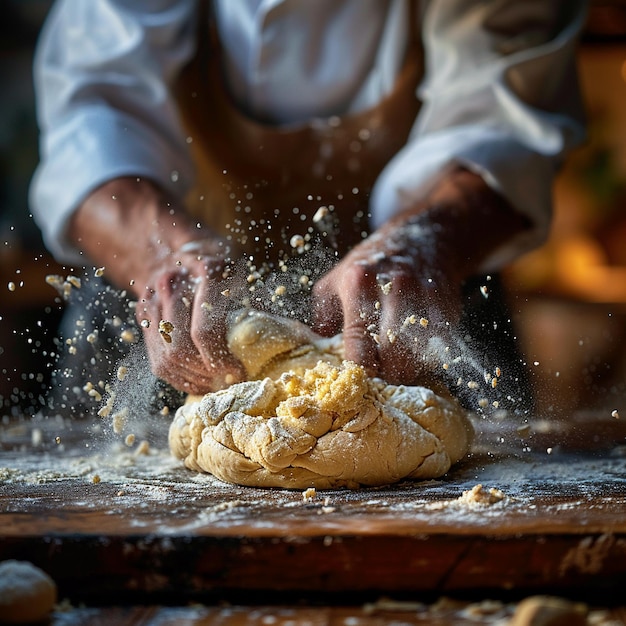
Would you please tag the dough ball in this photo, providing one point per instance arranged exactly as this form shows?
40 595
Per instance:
307 418
328 427
27 593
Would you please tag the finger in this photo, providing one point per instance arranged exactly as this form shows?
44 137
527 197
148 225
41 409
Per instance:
165 319
361 328
209 332
181 368
403 327
416 351
188 380
201 351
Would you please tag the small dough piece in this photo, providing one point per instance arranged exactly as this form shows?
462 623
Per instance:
311 419
27 593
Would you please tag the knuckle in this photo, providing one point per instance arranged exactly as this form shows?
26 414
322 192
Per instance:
354 335
404 282
166 281
163 368
359 275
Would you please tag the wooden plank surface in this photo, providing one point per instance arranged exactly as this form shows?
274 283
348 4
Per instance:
107 522
444 612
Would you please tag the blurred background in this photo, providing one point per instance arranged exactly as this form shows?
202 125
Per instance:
570 295
568 298
29 309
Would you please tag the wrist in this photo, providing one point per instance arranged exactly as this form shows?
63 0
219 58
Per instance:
130 227
464 222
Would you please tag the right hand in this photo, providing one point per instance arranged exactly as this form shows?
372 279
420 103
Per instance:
176 269
192 296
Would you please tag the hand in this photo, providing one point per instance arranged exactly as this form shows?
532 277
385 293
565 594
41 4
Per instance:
176 269
397 295
184 317
392 295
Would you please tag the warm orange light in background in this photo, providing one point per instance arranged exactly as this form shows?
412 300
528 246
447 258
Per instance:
581 269
623 72
579 259
571 304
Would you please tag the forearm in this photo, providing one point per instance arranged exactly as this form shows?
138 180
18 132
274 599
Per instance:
462 222
513 121
103 111
131 227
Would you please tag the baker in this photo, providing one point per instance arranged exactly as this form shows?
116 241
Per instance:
186 146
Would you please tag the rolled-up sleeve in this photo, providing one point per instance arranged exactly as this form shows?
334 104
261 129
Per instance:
103 70
500 97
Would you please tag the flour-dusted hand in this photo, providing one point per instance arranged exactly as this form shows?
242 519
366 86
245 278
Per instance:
397 296
179 271
184 318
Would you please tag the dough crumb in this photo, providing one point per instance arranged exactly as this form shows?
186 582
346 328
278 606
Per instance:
480 496
128 336
143 448
386 288
320 214
308 495
297 241
165 330
27 593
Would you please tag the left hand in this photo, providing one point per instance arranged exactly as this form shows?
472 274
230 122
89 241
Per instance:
397 295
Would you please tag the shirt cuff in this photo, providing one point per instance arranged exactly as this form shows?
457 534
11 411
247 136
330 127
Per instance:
93 147
521 175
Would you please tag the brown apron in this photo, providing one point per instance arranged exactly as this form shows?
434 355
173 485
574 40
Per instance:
264 183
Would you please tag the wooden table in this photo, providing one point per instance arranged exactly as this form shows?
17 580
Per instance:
114 526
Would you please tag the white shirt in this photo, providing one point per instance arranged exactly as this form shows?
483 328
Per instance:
499 92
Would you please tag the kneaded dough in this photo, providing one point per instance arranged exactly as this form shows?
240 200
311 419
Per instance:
307 418
27 593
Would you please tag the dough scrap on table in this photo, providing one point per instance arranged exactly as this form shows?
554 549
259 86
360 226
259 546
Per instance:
307 418
27 593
